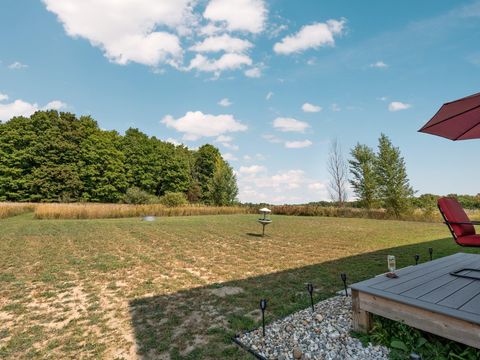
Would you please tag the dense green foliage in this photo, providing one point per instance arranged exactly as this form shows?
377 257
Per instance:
55 156
364 182
403 340
381 179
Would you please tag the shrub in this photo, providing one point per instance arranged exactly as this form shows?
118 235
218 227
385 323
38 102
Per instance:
137 196
173 199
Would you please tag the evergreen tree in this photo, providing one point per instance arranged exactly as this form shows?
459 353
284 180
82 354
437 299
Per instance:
364 182
223 188
394 186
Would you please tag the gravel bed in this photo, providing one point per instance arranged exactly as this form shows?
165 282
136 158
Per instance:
323 334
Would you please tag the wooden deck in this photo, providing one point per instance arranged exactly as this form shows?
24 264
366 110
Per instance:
426 297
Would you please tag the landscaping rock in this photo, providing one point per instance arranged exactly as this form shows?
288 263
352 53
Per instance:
321 335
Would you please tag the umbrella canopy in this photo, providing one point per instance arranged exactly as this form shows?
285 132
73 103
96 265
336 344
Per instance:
456 120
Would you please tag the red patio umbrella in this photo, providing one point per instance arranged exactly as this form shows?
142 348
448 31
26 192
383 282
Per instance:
456 120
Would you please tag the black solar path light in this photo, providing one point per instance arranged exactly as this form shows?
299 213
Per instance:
430 251
343 276
263 306
310 291
417 257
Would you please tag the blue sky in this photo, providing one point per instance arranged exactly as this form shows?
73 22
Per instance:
292 75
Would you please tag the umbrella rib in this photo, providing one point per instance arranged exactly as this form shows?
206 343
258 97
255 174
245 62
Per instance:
470 129
450 117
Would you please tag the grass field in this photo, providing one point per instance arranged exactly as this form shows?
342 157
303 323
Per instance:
178 288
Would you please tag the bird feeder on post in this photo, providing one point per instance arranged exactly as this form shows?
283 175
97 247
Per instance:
265 220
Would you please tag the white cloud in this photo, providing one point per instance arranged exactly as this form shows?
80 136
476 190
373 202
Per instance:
16 108
256 184
272 138
173 141
225 102
55 105
269 95
298 144
307 107
398 105
195 125
224 138
289 125
310 36
251 170
222 43
24 108
128 30
241 15
318 186
254 72
225 62
382 98
3 97
229 157
17 66
379 64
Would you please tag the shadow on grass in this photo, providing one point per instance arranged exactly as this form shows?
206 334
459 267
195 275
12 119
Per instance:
198 323
255 235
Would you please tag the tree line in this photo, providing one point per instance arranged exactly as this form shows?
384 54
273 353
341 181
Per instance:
56 157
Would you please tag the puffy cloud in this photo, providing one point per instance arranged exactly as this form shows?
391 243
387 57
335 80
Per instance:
272 138
229 157
225 62
173 141
195 125
250 170
379 64
289 125
288 186
225 102
254 72
307 107
398 105
16 108
17 66
241 15
222 43
55 105
298 144
310 36
127 30
24 108
3 97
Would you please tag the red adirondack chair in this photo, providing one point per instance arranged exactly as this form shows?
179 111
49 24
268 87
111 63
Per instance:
461 227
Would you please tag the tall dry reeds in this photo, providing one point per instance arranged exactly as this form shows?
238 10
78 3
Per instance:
103 211
8 209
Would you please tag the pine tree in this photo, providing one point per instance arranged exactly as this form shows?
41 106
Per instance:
394 186
364 182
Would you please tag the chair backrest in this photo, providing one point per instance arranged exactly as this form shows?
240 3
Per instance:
452 211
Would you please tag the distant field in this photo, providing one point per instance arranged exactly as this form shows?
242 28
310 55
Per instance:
126 289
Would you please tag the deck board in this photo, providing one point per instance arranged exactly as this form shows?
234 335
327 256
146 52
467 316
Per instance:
430 287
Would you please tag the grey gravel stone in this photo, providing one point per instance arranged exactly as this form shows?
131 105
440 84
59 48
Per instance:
320 335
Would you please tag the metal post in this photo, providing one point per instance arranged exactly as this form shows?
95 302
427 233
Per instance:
310 290
430 251
263 306
343 276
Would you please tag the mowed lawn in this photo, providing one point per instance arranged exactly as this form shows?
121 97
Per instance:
179 287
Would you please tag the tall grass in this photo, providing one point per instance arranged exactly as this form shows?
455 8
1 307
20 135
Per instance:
102 211
8 209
